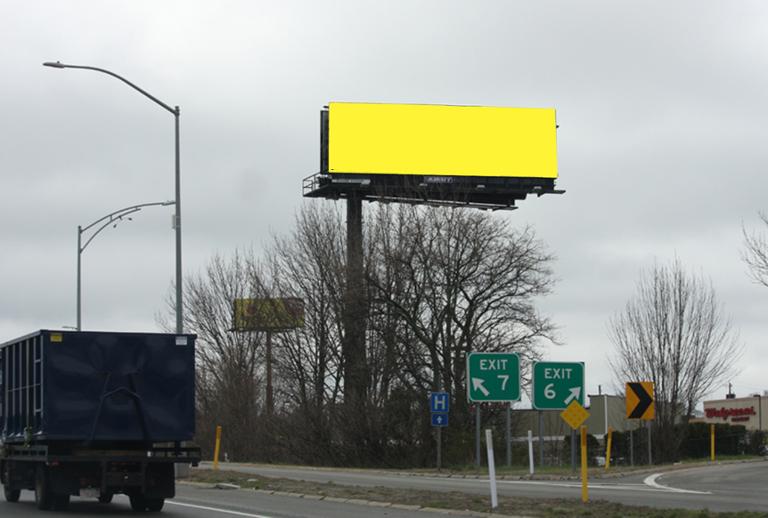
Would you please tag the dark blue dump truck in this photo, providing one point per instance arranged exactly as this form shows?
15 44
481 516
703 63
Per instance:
95 414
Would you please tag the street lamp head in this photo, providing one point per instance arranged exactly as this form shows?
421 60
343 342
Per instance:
54 65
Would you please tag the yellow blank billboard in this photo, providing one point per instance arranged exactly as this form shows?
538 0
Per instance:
276 314
436 140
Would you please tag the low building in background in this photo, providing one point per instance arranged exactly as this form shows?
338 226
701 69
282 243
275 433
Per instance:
604 411
750 412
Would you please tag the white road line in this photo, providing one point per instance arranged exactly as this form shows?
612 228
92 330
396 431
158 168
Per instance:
651 481
614 487
611 487
217 510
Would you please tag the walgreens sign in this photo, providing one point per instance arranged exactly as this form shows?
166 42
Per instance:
737 414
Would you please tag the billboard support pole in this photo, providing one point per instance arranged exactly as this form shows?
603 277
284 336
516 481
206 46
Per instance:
353 345
270 394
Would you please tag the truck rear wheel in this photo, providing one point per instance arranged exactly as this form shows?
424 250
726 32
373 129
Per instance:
43 494
138 503
11 495
60 502
155 504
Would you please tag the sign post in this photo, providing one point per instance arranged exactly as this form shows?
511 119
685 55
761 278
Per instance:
477 435
439 448
491 377
439 406
642 405
509 435
574 415
584 485
573 450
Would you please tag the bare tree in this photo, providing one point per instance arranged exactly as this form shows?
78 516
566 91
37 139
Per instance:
447 282
230 365
755 253
309 263
673 332
461 281
440 283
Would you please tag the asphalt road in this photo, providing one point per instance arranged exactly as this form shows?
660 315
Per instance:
727 487
195 502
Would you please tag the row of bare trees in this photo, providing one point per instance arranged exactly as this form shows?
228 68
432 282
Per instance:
439 284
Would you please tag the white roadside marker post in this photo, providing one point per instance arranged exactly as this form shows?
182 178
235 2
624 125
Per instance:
530 452
491 469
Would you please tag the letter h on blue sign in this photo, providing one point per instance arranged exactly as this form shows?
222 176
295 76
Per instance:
439 402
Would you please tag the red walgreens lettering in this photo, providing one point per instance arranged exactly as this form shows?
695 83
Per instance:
725 413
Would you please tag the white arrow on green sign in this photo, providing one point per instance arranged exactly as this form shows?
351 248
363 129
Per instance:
493 377
557 384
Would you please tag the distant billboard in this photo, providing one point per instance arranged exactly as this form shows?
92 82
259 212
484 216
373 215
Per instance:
268 314
438 140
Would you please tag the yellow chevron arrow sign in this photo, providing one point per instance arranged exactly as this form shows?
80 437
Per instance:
640 401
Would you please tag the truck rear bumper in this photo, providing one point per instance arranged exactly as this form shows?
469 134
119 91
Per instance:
149 473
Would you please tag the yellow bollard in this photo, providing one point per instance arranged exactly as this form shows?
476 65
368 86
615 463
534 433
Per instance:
216 449
584 489
608 449
712 442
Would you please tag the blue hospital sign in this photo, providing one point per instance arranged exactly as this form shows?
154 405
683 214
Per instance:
439 402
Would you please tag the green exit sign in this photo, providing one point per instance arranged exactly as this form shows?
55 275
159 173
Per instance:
493 377
557 384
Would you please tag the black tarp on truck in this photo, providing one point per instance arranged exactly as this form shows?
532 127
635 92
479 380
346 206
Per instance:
96 413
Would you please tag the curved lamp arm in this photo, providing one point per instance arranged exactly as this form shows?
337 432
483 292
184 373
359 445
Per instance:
114 216
124 80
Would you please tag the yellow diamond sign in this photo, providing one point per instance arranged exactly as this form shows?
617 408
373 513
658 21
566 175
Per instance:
574 415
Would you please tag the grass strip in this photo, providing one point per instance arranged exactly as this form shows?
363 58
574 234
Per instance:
546 508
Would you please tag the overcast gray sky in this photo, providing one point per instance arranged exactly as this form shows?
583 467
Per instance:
662 143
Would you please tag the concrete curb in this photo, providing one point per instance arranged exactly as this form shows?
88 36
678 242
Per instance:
436 474
595 475
224 485
361 502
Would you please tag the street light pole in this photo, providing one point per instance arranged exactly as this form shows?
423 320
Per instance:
175 111
113 218
79 322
